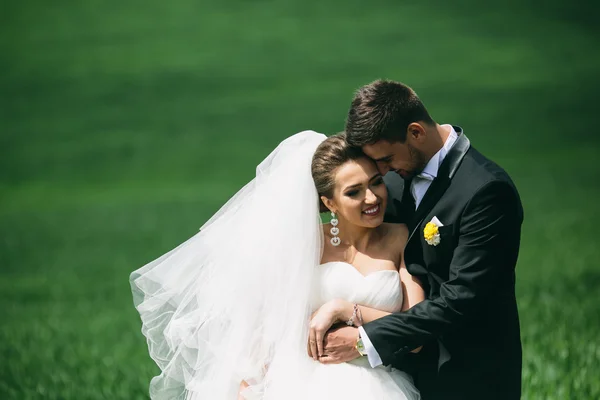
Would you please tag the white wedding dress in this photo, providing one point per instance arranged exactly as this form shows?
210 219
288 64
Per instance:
356 379
233 302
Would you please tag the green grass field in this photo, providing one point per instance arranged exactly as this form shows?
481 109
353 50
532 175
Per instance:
125 125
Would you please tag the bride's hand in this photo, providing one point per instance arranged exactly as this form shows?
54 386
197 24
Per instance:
320 322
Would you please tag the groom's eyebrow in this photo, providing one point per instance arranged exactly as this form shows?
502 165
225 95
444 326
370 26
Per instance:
385 158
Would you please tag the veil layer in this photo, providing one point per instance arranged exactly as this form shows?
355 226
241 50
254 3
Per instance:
235 297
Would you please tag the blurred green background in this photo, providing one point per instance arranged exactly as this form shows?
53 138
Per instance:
125 125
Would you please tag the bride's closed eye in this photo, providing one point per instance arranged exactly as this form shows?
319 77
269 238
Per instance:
378 181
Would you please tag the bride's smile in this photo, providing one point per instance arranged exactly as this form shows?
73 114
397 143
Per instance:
373 211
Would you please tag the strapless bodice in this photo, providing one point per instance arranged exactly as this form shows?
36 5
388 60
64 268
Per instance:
339 280
353 380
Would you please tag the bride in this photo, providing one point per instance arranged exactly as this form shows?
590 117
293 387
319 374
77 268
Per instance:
233 311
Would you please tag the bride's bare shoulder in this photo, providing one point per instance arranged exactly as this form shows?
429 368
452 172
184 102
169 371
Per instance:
394 233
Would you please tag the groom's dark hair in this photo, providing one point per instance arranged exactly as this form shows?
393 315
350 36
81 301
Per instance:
382 110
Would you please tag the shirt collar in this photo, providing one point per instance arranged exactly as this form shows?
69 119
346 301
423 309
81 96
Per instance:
431 169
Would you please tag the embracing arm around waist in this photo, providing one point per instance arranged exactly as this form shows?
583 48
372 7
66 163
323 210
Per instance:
338 310
412 292
482 265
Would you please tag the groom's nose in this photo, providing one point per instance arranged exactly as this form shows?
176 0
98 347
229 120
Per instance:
383 168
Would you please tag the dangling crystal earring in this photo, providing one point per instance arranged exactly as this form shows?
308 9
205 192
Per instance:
335 240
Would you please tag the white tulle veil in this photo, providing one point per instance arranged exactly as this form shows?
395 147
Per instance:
235 297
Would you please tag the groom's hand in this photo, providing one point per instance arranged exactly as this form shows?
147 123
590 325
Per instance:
340 345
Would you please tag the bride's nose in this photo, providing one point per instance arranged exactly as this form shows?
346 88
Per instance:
370 197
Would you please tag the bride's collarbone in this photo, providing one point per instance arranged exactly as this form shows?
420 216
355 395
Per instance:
382 252
367 262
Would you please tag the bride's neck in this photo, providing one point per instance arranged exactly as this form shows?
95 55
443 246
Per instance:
355 236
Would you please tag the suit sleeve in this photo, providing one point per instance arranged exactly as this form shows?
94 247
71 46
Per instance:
482 264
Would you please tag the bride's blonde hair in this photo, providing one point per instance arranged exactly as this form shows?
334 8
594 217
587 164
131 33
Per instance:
332 153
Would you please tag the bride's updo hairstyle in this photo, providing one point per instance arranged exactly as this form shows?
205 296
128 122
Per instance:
331 154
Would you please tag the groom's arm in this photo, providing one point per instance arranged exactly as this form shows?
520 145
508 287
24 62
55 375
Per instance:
486 253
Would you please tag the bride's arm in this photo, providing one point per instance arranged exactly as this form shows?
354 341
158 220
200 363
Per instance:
412 294
412 289
338 310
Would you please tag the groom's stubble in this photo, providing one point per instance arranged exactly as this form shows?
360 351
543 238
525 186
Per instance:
418 161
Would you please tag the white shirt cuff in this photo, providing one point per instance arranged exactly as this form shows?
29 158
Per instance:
372 354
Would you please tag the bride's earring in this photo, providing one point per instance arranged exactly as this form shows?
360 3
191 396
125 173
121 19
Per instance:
335 240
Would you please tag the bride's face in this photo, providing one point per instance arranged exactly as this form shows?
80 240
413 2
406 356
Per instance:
360 196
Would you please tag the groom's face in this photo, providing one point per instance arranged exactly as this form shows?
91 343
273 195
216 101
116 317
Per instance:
406 159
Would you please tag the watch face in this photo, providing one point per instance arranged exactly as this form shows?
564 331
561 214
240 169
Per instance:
360 347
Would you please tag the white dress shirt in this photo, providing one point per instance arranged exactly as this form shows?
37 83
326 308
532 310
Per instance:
421 182
418 188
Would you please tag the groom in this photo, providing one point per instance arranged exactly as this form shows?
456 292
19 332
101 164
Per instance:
464 215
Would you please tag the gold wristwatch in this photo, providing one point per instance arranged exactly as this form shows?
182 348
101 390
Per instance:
360 347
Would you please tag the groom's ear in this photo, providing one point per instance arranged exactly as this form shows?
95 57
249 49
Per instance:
415 132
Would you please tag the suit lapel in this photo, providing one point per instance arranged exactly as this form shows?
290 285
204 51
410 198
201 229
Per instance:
443 180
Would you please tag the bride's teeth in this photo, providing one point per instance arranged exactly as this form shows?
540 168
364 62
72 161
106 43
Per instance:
372 210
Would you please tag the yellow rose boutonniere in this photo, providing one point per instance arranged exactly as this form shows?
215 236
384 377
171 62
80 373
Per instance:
431 233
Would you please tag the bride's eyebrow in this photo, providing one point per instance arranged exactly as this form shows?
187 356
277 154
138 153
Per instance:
356 185
377 175
352 186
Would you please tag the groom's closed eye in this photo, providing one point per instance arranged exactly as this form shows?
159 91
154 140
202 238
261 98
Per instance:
385 159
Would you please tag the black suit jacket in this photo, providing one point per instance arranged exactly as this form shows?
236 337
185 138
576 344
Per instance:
469 280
